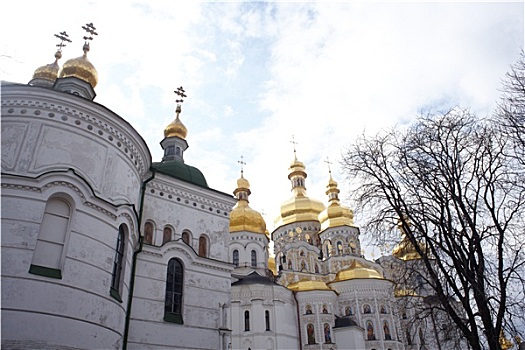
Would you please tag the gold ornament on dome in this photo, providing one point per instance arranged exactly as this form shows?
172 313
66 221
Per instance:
80 67
242 217
405 250
176 128
50 71
308 285
357 270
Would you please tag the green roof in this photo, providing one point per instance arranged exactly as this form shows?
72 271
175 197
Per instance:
181 171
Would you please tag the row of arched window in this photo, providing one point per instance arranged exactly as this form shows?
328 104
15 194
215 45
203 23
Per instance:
310 333
167 236
247 320
371 334
253 258
367 309
341 246
308 309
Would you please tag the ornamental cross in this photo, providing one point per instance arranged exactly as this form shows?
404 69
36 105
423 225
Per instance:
180 92
327 161
63 37
242 163
89 28
293 142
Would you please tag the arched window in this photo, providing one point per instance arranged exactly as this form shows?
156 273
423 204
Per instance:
386 331
267 319
339 248
174 292
348 311
236 257
316 268
118 264
148 233
254 258
166 236
327 334
246 321
310 331
409 338
51 242
203 246
186 237
370 335
308 310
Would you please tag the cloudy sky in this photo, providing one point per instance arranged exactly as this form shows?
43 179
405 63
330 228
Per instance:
257 73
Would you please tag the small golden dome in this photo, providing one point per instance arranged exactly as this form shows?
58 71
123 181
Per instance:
405 250
307 285
176 129
357 270
242 217
299 207
336 214
81 68
50 71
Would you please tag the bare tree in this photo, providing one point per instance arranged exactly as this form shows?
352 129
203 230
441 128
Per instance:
451 182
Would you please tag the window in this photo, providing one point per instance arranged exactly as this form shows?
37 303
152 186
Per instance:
409 338
327 334
267 319
236 257
116 277
166 236
386 331
421 337
310 332
254 258
203 246
148 233
50 245
186 237
339 248
246 321
370 331
174 291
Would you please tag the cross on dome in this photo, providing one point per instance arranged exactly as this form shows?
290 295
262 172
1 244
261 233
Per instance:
63 37
294 143
242 163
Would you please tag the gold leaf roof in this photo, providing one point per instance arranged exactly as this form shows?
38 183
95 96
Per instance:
242 217
50 71
81 68
357 270
307 285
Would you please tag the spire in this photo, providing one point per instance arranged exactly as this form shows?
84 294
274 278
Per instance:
46 75
332 190
80 67
176 128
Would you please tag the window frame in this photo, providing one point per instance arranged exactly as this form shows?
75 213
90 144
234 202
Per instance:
177 291
117 274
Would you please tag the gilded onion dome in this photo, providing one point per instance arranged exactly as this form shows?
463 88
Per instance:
299 207
49 73
335 214
176 128
405 250
81 68
357 270
307 285
242 217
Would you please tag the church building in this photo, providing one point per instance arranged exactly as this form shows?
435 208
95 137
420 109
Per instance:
104 247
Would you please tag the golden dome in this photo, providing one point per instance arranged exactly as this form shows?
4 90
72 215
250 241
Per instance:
357 270
50 71
299 207
81 68
307 285
242 217
405 250
176 129
336 214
